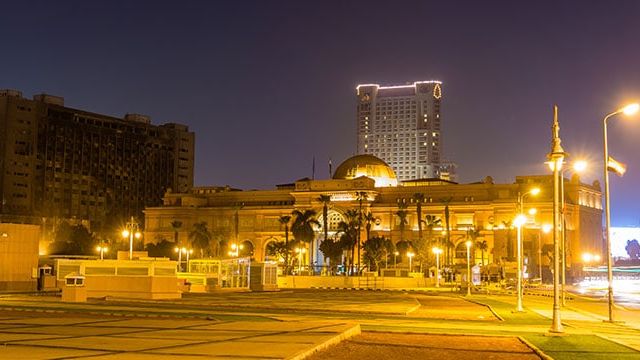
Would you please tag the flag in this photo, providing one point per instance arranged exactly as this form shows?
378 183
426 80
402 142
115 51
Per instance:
617 167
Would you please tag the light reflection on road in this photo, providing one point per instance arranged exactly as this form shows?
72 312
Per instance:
626 292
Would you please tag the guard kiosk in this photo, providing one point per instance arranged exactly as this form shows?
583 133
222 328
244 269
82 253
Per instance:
74 289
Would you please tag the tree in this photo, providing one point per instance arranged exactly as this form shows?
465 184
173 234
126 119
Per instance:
325 200
218 238
403 246
508 225
375 250
402 214
161 248
424 248
348 230
72 240
483 246
633 249
302 228
360 196
176 225
369 220
419 199
473 234
447 218
284 220
200 237
278 249
332 249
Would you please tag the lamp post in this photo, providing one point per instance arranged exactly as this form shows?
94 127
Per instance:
468 243
627 110
410 255
519 221
437 251
395 258
556 156
577 166
131 230
179 251
102 250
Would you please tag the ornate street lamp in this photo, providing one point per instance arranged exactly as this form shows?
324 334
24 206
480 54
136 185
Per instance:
611 164
131 230
437 251
556 156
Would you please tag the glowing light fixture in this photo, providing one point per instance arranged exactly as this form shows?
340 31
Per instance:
631 109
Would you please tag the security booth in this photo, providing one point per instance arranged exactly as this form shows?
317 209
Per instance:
74 289
209 274
263 276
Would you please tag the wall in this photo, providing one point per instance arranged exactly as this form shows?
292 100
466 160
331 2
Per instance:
18 256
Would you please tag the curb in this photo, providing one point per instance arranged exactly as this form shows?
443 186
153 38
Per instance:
500 318
369 289
349 333
535 349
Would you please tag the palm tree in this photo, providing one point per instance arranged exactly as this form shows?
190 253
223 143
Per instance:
176 225
325 200
368 219
508 225
424 247
360 196
402 214
302 228
472 235
447 218
348 231
284 220
200 237
419 199
483 246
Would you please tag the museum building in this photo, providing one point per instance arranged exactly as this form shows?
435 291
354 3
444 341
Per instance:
251 218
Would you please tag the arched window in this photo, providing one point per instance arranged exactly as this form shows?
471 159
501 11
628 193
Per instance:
334 219
461 250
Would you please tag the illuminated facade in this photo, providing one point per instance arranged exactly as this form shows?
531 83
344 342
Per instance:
402 126
484 206
60 162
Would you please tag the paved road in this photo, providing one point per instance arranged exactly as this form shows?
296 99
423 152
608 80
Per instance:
441 313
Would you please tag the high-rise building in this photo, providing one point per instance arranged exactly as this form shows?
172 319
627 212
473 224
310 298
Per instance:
401 125
61 162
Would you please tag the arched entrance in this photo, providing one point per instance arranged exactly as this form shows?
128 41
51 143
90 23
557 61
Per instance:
246 249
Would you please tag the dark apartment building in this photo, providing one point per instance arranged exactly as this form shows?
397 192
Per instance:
59 162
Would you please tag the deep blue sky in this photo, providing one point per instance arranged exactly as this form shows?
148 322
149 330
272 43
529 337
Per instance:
268 85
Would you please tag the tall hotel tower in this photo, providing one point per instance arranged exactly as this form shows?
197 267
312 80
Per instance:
401 125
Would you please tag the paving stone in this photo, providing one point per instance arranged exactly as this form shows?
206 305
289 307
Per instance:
109 343
41 353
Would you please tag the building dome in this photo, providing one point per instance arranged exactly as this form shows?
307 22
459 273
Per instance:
369 166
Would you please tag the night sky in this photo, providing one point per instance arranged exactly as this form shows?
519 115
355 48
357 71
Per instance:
269 85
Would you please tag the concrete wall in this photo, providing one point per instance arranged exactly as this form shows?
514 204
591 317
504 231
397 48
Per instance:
140 279
305 282
18 256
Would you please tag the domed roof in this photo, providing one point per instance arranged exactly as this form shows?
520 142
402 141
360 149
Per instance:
369 166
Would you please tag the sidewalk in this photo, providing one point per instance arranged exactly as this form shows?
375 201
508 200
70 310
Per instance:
103 338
